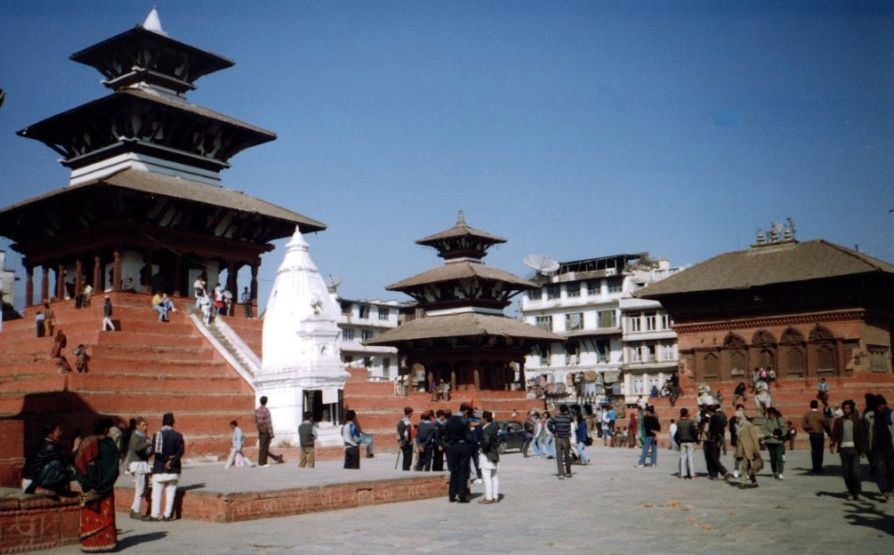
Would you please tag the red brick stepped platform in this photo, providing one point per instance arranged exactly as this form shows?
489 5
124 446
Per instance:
212 493
145 369
32 522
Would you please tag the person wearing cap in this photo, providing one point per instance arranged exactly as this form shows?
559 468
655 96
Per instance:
405 439
458 438
880 428
168 447
107 324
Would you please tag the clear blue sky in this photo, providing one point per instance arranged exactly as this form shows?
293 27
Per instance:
572 129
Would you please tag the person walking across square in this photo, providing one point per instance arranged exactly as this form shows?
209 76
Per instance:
265 434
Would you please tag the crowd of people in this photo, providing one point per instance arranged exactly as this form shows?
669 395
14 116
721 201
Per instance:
95 462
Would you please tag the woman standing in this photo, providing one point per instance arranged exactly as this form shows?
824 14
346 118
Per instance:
775 432
489 458
96 469
582 435
136 463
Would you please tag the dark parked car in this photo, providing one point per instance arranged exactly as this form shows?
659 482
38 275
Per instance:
511 435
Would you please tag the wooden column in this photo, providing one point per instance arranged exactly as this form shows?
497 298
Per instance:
254 286
60 281
44 284
116 271
452 379
97 275
29 285
79 279
232 286
178 279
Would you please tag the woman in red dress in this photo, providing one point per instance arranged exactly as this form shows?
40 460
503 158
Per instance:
96 469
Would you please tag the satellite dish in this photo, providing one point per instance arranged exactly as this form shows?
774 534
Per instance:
541 264
332 283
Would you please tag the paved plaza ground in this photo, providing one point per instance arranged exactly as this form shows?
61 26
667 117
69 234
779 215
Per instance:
608 507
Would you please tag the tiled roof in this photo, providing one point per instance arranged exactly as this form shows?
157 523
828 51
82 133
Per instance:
462 325
458 270
768 265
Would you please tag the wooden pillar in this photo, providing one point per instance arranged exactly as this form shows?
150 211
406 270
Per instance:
97 275
254 288
178 279
232 286
79 279
44 284
60 281
116 271
452 379
29 285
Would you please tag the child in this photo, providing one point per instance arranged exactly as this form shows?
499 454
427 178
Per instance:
81 358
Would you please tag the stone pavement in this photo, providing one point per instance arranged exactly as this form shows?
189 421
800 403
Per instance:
608 507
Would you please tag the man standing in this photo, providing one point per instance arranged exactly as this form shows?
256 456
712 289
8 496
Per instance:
168 448
815 425
686 436
307 435
437 464
560 426
425 441
715 430
881 429
457 437
265 434
404 439
651 427
350 436
849 437
246 302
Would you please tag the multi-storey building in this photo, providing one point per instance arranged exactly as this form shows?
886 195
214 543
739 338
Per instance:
626 342
360 321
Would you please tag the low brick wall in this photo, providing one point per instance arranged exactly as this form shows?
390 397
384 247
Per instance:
12 452
29 522
233 507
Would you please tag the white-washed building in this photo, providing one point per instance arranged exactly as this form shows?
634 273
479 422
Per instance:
360 321
590 303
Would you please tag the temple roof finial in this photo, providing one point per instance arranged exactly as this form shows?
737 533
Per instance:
461 218
153 22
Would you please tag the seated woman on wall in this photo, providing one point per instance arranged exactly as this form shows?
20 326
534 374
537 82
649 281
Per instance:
47 471
96 469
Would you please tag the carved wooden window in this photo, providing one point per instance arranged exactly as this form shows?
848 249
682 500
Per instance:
826 361
795 362
878 358
712 366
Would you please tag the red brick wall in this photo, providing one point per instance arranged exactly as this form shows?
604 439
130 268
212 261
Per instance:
30 523
12 452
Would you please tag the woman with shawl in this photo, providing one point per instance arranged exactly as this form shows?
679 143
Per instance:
96 469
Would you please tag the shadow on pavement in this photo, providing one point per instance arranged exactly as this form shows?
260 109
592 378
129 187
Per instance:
866 514
130 541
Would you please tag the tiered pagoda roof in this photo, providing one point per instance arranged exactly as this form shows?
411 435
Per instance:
463 297
145 163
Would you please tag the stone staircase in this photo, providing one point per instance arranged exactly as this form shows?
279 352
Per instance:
145 369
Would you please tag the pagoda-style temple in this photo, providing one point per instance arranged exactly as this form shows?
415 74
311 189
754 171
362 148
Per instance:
461 335
143 209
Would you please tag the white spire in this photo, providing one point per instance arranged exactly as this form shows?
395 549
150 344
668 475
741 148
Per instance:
153 22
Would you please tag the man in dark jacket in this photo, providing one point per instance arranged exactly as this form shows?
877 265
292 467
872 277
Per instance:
404 439
715 429
849 438
560 426
425 440
880 428
458 441
651 427
169 448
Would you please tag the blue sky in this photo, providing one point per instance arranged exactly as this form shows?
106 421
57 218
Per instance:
572 129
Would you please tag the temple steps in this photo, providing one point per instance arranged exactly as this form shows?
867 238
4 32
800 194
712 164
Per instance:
145 369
